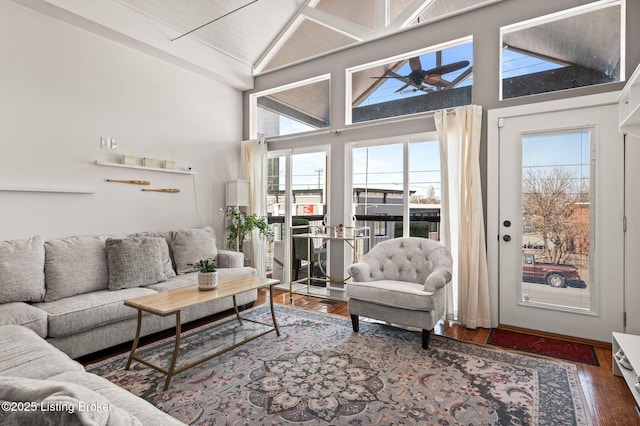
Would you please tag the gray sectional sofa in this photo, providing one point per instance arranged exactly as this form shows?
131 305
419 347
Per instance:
64 298
40 385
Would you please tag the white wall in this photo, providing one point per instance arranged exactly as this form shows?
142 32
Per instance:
61 89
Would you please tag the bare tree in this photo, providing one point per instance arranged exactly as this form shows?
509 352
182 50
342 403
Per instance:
556 202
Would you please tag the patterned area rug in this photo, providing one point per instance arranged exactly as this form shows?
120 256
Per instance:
320 372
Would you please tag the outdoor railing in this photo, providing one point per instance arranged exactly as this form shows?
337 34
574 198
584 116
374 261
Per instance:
382 227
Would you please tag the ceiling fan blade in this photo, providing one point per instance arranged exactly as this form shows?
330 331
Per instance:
415 64
403 87
436 80
391 74
446 69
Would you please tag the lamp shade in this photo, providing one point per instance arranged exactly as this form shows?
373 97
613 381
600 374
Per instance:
238 193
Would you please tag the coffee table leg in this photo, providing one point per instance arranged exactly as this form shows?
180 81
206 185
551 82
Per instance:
235 306
273 312
135 340
176 348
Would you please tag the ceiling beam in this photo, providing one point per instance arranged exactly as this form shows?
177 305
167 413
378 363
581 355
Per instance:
409 14
340 25
281 38
279 108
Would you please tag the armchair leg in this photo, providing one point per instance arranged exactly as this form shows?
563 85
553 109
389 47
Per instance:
355 323
426 334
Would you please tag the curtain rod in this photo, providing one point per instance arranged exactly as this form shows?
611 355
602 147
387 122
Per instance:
338 132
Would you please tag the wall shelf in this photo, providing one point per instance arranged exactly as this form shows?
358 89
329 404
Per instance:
154 169
629 105
69 190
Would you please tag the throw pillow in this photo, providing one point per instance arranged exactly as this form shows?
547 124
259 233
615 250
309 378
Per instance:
191 245
167 263
22 270
134 262
75 265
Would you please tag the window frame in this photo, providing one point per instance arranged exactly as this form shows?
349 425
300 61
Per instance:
403 56
253 105
553 17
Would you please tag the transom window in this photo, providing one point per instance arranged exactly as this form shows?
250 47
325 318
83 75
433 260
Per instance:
426 80
574 48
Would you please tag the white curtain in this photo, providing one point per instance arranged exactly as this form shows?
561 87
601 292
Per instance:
462 221
254 165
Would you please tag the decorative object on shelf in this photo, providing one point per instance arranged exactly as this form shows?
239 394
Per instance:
207 274
132 182
339 230
170 190
241 225
129 160
149 162
169 164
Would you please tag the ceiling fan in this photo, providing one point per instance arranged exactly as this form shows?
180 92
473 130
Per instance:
419 77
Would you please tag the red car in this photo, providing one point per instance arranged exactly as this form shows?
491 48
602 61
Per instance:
554 274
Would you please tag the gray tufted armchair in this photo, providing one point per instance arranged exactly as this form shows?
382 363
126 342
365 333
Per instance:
401 281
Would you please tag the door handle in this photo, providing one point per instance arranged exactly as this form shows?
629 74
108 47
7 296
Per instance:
507 238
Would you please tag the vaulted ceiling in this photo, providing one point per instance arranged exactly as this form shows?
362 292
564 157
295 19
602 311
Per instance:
233 40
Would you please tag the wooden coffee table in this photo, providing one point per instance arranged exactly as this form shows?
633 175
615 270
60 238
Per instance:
173 301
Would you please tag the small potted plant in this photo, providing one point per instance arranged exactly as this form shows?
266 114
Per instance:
207 274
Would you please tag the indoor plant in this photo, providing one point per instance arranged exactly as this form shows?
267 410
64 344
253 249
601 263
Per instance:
241 225
207 274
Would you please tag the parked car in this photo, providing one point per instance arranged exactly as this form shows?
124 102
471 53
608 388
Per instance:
555 274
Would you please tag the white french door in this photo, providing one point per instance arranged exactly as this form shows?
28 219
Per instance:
559 221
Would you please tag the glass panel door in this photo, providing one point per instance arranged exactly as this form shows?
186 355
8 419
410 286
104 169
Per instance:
378 190
556 212
560 250
297 195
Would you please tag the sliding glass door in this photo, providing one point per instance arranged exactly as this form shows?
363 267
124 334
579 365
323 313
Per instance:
296 196
396 187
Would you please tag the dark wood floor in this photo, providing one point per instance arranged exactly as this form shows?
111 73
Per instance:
610 400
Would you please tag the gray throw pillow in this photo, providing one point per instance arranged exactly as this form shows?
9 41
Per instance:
75 265
22 270
167 263
134 262
191 245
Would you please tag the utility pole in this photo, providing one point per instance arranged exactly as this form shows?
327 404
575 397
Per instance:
319 172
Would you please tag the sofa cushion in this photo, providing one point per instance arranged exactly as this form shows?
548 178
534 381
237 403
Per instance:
75 265
134 262
167 262
191 245
23 353
141 409
392 293
60 403
22 270
86 311
20 313
147 413
178 281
